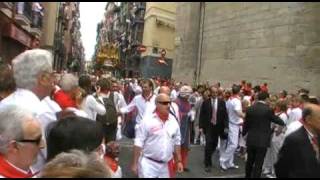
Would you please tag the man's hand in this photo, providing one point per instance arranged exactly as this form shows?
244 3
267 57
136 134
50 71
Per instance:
179 167
134 169
200 130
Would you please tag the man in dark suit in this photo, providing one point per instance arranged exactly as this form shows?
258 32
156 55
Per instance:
213 122
299 155
257 125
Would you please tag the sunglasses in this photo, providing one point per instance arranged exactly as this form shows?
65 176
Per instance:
164 102
34 141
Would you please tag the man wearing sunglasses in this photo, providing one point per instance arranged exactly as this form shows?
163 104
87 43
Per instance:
157 138
20 142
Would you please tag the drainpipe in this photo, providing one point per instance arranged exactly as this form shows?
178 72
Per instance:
201 28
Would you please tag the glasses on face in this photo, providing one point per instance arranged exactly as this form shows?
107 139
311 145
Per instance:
164 102
34 141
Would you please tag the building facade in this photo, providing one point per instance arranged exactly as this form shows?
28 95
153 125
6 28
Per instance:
159 38
119 38
68 47
20 28
273 42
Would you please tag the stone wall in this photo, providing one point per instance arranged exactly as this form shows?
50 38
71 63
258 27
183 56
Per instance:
273 42
187 36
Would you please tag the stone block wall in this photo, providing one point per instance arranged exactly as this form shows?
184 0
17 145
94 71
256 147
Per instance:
273 42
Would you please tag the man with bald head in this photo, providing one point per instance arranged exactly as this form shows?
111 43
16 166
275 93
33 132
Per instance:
157 138
299 155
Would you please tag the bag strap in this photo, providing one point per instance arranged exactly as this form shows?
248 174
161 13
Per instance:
174 115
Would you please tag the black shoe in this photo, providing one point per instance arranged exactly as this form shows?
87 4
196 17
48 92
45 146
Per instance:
186 169
207 169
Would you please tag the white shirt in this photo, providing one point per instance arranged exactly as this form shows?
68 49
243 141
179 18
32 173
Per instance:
92 107
141 104
293 127
157 138
173 95
26 99
233 105
48 116
214 102
294 115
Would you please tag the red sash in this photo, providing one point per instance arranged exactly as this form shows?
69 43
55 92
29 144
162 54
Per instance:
8 171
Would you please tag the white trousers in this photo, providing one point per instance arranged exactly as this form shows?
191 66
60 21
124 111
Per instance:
227 157
150 169
272 153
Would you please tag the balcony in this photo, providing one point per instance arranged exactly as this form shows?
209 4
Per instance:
24 13
6 8
35 31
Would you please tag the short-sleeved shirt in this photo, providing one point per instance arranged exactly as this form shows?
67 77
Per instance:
233 105
157 138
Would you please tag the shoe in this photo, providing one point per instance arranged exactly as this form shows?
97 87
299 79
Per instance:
223 168
234 167
186 169
207 169
270 176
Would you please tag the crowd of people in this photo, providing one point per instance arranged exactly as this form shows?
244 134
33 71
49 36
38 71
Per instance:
66 125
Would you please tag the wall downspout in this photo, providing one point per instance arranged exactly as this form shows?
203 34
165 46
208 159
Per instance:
201 28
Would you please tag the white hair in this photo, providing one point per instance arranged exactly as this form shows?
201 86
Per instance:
78 164
11 118
68 82
29 64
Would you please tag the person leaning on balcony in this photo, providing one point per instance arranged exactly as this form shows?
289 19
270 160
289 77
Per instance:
37 11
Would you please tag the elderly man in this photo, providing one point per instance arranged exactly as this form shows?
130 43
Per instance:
65 96
20 142
157 138
35 81
299 155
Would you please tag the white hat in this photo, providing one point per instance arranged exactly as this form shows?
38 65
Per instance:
185 91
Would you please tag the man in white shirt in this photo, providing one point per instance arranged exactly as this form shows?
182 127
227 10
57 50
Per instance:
141 102
294 116
235 115
157 138
35 80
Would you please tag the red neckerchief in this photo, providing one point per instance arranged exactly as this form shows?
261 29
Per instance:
113 164
163 117
8 171
147 98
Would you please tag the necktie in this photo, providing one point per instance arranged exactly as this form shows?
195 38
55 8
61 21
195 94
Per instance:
315 145
214 117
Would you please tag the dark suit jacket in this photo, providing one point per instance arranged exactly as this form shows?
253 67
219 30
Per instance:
206 115
257 124
297 159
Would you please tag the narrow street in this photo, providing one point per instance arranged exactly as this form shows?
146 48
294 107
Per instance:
195 163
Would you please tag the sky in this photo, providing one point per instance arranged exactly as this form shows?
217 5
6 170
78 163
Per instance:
91 13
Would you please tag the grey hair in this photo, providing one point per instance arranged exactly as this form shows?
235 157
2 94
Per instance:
11 118
28 65
74 164
68 82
